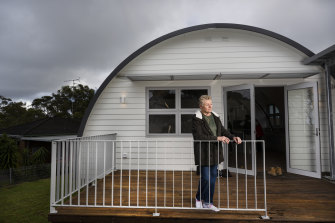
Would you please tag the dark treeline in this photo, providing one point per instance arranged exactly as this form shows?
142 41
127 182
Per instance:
67 102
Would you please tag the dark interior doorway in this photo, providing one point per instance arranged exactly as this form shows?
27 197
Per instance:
270 124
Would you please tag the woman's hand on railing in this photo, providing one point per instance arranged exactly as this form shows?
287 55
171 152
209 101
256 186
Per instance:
223 139
238 140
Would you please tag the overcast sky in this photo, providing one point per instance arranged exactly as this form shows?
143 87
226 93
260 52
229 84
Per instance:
44 43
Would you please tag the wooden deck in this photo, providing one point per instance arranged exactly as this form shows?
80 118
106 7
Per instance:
289 198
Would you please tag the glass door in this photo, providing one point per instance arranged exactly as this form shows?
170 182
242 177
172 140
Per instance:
302 130
239 110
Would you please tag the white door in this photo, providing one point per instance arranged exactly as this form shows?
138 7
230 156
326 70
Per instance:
239 110
302 130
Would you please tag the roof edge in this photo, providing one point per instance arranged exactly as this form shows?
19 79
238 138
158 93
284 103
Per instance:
177 33
313 59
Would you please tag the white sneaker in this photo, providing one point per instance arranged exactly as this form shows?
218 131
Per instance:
211 207
198 204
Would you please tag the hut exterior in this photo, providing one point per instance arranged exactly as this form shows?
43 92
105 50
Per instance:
259 84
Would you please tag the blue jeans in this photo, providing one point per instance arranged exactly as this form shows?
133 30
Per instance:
207 183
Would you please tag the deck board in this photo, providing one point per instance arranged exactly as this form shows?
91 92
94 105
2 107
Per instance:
289 198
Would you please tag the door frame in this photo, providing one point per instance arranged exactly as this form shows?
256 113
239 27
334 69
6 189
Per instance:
251 87
314 85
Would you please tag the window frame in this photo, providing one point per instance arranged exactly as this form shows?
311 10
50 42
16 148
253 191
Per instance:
177 111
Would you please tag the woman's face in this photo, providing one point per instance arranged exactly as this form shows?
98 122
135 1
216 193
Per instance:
206 106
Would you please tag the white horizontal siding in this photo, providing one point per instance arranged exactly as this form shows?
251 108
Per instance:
218 51
105 119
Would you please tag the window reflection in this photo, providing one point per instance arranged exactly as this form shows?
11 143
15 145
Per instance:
162 124
162 99
239 120
190 98
186 123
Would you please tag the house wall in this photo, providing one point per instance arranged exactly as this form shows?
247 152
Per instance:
242 54
128 120
215 51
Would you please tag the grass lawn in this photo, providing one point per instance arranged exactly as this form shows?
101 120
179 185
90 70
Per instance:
25 202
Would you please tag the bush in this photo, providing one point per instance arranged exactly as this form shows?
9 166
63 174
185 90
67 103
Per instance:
25 157
8 152
40 156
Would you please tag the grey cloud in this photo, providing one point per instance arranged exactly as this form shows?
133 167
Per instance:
43 43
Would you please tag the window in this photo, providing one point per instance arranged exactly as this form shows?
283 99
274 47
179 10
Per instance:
170 110
162 99
274 116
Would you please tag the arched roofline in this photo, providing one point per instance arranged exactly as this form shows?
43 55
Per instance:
177 33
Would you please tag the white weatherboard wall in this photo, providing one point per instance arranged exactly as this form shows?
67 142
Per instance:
241 54
215 51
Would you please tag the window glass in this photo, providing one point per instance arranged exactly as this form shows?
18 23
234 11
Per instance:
274 116
190 98
162 124
186 123
239 120
162 99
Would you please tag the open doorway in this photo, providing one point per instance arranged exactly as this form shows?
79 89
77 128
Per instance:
270 124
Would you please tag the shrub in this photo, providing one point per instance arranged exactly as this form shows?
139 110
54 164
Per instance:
40 156
8 152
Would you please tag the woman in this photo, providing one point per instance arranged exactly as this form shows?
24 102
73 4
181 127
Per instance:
206 125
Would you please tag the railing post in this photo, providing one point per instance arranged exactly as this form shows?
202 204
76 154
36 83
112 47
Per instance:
113 170
62 171
236 166
246 175
218 176
70 177
53 177
104 185
79 173
264 178
138 172
156 213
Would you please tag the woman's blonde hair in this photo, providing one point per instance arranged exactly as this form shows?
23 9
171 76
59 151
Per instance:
204 98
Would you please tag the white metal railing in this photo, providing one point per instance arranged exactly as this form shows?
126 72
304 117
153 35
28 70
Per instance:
104 172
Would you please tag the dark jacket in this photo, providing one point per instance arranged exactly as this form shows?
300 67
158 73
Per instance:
209 150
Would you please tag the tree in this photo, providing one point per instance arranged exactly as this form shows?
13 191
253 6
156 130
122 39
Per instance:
8 152
68 102
15 113
4 101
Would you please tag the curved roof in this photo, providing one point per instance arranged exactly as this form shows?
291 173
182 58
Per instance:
177 33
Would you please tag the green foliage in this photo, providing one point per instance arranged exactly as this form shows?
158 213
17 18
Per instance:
25 157
39 156
4 101
68 102
8 152
15 113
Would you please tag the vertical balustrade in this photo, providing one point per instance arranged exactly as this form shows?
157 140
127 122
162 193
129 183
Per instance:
79 164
